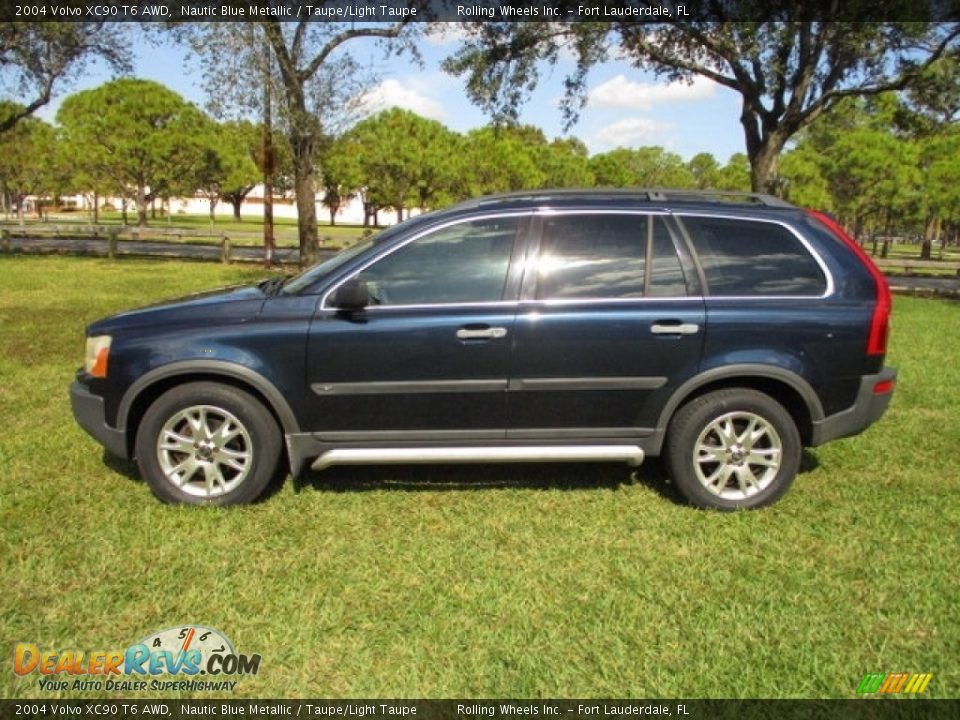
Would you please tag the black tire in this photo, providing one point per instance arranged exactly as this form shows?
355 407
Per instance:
710 465
231 439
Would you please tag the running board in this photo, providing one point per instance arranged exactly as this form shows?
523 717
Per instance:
630 454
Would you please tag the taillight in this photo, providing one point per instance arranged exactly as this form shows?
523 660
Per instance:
880 321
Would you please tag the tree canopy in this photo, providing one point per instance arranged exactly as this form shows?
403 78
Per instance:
787 68
139 136
307 67
37 58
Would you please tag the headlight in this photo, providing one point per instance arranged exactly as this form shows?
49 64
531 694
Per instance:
95 360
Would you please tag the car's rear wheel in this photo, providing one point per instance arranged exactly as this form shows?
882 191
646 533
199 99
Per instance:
208 444
733 448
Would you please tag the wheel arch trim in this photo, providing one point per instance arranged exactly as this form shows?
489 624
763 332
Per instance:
278 404
743 371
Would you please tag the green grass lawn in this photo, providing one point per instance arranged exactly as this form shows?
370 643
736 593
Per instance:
507 581
951 253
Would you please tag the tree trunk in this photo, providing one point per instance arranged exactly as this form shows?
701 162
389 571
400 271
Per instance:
886 235
333 215
213 209
765 168
764 146
927 238
141 206
96 208
236 208
269 167
305 187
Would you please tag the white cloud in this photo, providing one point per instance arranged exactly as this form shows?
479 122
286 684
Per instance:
631 132
618 92
392 93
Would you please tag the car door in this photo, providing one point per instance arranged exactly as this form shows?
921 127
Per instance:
610 323
428 357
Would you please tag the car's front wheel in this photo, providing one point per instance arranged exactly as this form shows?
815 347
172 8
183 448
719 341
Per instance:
734 448
205 443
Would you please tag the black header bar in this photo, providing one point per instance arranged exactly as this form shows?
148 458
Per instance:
390 11
161 709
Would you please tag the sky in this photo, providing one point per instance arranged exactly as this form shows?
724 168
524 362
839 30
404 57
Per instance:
625 108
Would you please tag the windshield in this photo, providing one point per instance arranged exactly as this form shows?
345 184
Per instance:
315 272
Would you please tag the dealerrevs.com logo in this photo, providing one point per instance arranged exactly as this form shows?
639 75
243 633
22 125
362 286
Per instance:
185 658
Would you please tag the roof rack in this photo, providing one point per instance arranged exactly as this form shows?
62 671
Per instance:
650 194
716 195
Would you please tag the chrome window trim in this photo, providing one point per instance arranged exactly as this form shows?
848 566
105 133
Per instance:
533 304
607 301
831 286
427 306
533 212
414 238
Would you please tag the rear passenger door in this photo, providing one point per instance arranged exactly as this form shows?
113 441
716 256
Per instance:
610 323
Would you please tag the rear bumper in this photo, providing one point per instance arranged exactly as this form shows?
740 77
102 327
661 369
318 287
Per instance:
866 409
89 413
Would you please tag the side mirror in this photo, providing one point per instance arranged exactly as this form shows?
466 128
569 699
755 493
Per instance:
352 295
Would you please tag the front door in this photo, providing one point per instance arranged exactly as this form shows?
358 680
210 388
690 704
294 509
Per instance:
428 358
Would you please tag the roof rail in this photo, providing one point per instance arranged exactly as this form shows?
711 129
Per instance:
716 195
651 195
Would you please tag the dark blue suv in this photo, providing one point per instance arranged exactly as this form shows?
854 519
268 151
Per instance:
724 333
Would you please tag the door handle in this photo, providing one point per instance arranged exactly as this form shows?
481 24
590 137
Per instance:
675 329
486 333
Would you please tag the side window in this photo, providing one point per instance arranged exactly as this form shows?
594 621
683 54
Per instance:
666 274
462 263
742 257
607 256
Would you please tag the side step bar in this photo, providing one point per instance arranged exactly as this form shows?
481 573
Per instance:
630 454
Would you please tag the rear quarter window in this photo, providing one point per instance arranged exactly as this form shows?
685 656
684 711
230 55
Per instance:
753 258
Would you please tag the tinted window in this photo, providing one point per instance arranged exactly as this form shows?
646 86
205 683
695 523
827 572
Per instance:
607 256
740 257
666 275
461 263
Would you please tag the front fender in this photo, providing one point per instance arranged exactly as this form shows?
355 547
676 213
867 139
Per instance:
222 368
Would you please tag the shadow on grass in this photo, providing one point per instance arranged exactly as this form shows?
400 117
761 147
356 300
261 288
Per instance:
528 476
808 462
438 478
127 468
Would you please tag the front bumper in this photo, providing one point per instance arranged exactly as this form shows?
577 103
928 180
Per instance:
866 410
89 413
